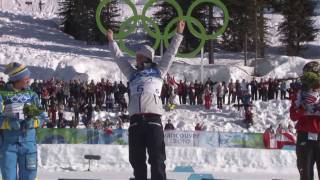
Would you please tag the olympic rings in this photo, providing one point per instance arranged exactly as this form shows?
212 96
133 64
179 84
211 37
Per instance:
167 36
149 4
136 19
129 25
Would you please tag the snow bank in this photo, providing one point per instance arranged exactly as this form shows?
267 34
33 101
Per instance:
229 119
281 67
59 158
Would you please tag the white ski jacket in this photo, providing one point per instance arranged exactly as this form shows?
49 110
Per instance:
145 86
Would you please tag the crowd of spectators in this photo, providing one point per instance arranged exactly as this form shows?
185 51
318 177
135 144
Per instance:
85 99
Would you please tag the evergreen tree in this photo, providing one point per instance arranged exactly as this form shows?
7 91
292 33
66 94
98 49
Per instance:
233 38
166 13
110 19
163 17
79 19
247 27
211 18
277 5
262 29
67 12
298 26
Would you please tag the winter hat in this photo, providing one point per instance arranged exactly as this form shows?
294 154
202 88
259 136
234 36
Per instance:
312 66
147 52
16 71
311 76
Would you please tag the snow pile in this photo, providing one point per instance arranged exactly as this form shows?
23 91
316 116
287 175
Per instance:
115 158
229 119
281 67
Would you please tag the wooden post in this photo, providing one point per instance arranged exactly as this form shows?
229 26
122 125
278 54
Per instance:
161 48
202 57
246 49
40 5
210 45
256 30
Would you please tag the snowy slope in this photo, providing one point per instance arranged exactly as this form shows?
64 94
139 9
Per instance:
49 8
38 43
48 52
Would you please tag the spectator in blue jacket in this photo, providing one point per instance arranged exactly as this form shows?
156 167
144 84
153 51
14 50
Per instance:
18 150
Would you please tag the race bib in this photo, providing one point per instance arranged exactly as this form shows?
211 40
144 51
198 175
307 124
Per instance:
14 110
151 85
312 136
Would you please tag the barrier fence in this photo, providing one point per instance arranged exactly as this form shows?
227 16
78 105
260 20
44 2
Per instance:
172 138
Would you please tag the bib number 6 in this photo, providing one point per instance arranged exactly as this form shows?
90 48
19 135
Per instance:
140 88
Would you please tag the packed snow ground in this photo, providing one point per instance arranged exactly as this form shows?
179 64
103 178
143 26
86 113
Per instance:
229 163
37 42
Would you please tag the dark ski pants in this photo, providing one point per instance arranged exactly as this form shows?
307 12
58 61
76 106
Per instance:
283 95
308 154
219 102
180 99
146 134
254 95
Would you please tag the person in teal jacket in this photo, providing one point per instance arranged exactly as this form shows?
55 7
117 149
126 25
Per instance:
18 149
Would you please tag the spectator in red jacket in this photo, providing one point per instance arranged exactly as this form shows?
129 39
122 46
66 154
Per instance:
269 139
2 83
199 127
53 115
248 120
45 98
182 92
305 111
192 95
164 93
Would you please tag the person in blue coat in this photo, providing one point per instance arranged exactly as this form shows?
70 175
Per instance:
18 149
